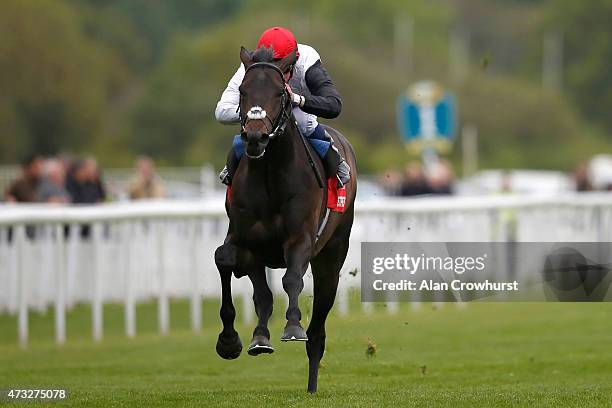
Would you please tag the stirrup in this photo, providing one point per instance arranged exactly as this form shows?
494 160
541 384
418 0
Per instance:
224 177
343 174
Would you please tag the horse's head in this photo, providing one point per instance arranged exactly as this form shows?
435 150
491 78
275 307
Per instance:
265 106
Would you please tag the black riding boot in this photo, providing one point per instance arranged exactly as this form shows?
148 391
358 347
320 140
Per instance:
334 163
227 174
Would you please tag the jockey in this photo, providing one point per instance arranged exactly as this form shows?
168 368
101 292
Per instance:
312 92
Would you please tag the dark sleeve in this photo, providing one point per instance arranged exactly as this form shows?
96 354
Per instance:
324 99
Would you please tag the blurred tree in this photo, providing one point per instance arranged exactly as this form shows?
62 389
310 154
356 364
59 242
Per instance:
505 30
143 76
156 21
51 77
117 31
173 106
519 123
71 69
587 35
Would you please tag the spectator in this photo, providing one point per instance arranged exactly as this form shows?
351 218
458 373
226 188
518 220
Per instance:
25 188
146 184
506 183
581 178
440 178
84 183
392 182
414 182
52 185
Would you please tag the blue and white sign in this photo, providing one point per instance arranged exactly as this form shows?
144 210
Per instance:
427 116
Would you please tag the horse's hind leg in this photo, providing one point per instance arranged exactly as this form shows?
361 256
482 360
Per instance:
262 297
228 344
326 272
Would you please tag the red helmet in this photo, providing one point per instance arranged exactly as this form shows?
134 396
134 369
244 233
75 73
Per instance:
281 40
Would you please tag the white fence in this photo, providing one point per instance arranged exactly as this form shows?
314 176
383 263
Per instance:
128 252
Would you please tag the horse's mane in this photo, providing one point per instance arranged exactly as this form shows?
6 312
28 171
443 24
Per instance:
263 54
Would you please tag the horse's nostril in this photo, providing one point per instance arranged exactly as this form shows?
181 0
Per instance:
253 137
265 137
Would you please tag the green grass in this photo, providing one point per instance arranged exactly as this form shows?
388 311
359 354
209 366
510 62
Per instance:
525 354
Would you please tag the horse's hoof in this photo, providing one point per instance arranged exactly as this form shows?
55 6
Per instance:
229 348
260 345
294 332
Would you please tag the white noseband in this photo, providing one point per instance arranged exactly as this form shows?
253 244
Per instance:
256 113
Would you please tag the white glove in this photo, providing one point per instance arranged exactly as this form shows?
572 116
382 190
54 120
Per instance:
298 100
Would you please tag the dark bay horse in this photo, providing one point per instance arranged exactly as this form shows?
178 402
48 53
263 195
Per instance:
276 210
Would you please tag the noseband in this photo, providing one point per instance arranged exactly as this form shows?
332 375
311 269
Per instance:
277 126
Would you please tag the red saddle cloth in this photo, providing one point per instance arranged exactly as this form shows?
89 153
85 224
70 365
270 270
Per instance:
336 197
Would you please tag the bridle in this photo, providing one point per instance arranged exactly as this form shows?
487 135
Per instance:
277 126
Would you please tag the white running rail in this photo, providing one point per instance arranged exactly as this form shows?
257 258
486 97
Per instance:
129 252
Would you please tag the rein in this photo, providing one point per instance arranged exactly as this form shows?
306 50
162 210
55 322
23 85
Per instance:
280 122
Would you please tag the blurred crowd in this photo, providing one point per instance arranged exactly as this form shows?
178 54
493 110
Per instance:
68 180
416 180
79 180
594 175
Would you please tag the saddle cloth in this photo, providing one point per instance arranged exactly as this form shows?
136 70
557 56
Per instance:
336 196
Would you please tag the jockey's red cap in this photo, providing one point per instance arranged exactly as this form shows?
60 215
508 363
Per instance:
281 40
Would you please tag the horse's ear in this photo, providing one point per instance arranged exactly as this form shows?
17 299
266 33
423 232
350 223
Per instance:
288 61
246 57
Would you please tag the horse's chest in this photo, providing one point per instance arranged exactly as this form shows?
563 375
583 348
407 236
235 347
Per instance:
257 225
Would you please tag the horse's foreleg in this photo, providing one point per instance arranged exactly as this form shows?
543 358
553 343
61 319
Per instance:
263 300
297 256
229 345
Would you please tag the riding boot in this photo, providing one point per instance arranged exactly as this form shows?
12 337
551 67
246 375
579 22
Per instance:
227 174
335 164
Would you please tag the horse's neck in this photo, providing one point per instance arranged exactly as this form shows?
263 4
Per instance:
283 151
